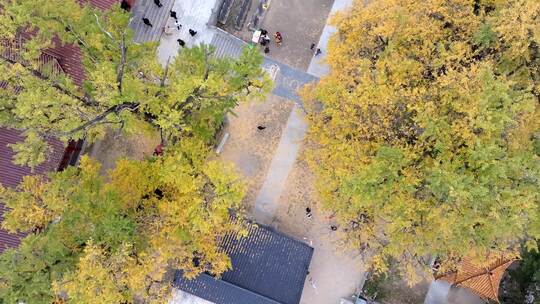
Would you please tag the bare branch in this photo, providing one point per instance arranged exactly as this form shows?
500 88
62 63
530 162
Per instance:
121 67
207 54
112 110
165 72
72 32
103 30
81 41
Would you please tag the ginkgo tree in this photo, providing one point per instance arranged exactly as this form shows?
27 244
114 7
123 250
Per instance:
124 86
114 239
426 131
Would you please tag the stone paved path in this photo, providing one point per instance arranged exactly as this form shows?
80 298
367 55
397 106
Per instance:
288 80
318 67
267 202
157 15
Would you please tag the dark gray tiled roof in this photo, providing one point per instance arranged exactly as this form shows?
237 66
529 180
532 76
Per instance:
268 268
218 291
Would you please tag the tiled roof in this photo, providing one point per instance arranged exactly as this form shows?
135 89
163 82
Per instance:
11 174
69 58
8 240
483 280
267 268
101 4
219 291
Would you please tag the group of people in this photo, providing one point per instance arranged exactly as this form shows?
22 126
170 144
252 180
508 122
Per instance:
191 32
264 39
310 215
177 24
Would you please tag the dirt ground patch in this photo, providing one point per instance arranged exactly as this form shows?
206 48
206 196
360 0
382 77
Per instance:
114 147
400 293
393 289
251 149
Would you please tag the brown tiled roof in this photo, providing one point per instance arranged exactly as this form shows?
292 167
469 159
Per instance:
11 175
482 280
65 58
69 58
101 4
8 240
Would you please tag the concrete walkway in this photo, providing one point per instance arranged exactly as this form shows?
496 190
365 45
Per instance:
157 16
334 274
194 14
287 80
267 202
318 66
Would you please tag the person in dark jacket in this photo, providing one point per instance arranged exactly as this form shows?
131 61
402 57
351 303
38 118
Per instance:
158 3
192 32
146 21
181 42
173 15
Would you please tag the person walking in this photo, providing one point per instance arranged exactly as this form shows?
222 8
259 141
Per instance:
278 37
318 52
147 22
173 15
308 212
181 42
158 3
177 24
266 39
192 32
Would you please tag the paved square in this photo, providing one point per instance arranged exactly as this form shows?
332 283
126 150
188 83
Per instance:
301 23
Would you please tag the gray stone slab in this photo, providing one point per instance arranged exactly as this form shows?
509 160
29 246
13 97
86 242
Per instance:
288 80
267 200
318 66
157 15
198 15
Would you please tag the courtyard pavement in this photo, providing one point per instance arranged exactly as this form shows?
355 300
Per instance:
301 23
193 14
318 66
267 202
288 80
333 274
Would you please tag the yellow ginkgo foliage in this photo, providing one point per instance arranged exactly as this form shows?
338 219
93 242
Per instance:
426 132
118 238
